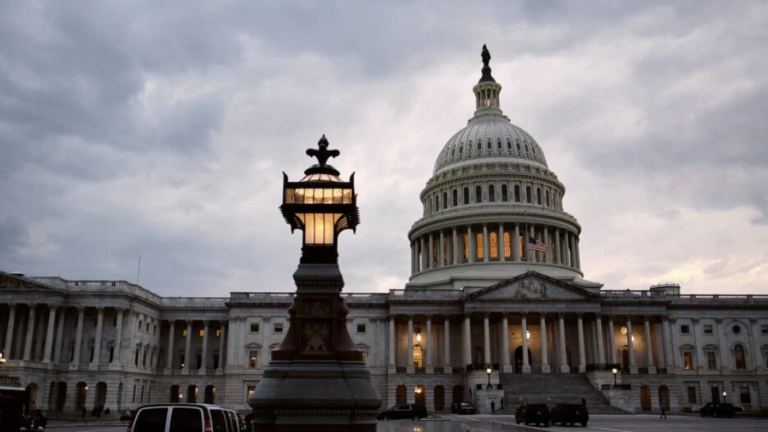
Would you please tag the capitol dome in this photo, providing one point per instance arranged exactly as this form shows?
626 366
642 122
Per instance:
492 209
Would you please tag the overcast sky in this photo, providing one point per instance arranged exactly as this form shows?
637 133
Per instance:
162 129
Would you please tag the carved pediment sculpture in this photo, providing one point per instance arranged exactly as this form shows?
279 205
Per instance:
531 289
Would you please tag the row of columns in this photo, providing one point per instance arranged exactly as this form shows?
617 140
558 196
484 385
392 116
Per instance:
434 250
595 329
54 355
188 344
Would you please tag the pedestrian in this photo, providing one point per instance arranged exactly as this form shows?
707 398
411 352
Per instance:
84 412
493 407
502 402
663 412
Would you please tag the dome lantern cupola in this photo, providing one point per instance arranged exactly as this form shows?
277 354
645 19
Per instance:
487 89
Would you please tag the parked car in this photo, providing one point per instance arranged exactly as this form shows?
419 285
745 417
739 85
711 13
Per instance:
189 417
719 410
537 414
564 413
404 411
463 408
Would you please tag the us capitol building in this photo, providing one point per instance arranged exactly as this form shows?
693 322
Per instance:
496 299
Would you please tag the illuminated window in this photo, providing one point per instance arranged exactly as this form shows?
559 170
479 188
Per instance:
521 246
253 359
465 242
479 246
249 392
435 255
418 355
494 245
687 360
201 333
184 333
507 245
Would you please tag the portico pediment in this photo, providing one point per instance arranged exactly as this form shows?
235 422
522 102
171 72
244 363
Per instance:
531 286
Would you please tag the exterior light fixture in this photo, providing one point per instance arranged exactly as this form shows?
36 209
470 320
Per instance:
321 205
527 334
86 388
488 371
725 394
418 335
615 371
2 358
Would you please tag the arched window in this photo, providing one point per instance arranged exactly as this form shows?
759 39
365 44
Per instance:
493 245
445 200
533 149
509 145
461 149
507 245
504 193
526 148
547 196
491 193
429 206
518 146
528 197
465 245
466 196
489 145
455 197
479 146
538 196
437 203
478 194
498 144
479 249
738 357
517 193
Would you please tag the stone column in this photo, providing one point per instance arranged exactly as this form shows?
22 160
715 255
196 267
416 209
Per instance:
754 347
59 336
544 354
506 367
188 349
204 362
516 243
49 334
724 351
599 329
582 354
171 336
30 332
549 246
574 263
441 259
630 346
79 335
500 243
700 364
467 340
524 337
470 244
559 257
612 340
392 341
576 252
97 341
222 332
455 246
409 354
564 367
566 250
486 340
9 330
430 254
648 345
486 244
429 345
665 340
447 356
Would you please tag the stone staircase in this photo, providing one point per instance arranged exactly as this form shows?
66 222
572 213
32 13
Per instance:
552 389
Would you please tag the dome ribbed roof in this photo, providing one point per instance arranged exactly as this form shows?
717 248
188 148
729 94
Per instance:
498 138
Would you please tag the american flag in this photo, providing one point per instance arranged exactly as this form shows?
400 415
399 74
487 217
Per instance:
537 245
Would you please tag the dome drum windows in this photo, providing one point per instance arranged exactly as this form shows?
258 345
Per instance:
478 194
491 194
445 200
455 198
517 193
538 196
504 193
528 197
466 196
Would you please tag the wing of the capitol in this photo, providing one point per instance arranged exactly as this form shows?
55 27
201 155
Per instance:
497 309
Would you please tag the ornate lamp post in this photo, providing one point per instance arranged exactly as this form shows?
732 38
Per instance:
615 371
488 371
317 379
2 358
724 396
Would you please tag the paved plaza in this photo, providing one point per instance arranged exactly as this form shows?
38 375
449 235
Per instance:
488 423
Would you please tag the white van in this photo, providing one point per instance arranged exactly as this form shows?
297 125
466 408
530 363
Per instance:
185 417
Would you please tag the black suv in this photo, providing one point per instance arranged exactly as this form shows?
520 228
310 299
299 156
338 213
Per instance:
719 410
463 408
564 413
532 413
404 411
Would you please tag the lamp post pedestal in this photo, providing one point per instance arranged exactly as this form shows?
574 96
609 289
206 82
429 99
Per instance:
317 379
